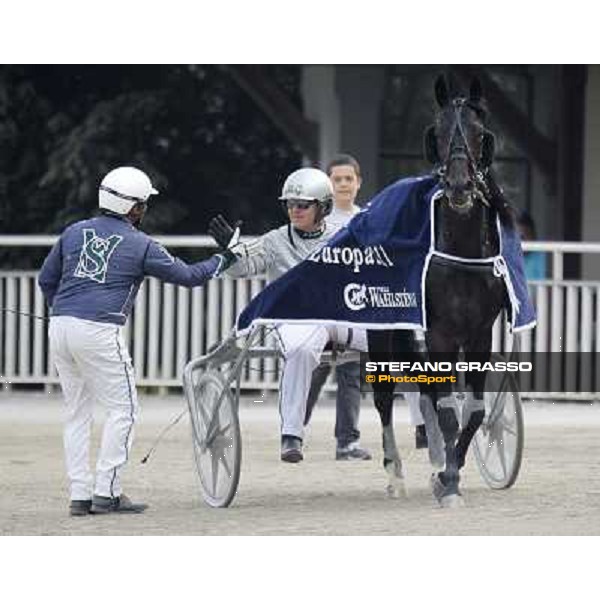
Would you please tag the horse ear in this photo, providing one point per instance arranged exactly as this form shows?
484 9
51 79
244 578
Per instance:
441 91
430 146
476 91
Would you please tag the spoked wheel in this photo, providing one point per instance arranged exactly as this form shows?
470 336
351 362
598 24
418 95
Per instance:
216 439
498 444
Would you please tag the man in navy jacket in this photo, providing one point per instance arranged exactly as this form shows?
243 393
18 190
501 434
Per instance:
90 280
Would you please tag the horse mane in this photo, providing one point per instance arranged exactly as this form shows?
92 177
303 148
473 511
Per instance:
498 200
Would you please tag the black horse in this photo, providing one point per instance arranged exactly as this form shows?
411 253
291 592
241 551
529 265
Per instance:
462 300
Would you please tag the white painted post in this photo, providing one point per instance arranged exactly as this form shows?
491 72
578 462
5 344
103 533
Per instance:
596 369
167 349
541 335
556 323
212 313
585 336
139 332
40 329
254 375
2 320
198 322
242 293
557 341
153 328
571 334
183 330
24 342
10 342
227 306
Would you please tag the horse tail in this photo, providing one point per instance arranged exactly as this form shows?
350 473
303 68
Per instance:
498 200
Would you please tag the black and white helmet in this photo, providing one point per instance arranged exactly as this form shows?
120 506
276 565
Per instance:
309 185
122 188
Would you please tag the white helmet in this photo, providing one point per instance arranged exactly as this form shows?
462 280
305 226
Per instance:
309 184
123 188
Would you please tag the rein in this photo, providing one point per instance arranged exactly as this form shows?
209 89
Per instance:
481 189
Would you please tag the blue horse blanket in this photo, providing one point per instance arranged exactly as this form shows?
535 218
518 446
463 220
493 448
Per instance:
372 272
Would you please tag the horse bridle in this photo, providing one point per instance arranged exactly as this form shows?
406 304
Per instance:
480 188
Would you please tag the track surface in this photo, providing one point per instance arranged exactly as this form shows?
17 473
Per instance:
558 490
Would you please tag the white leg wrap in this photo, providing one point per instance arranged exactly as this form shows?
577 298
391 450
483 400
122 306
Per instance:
470 406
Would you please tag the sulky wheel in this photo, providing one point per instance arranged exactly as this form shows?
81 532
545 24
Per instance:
498 444
216 438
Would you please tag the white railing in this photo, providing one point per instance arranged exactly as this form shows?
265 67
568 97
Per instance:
171 324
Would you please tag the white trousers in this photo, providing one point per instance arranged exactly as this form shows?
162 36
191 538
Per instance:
302 346
93 364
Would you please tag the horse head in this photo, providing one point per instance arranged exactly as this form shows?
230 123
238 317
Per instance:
460 145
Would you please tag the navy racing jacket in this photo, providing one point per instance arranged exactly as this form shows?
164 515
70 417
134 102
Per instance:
95 269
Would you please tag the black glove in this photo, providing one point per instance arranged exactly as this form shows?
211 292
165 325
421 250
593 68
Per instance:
222 231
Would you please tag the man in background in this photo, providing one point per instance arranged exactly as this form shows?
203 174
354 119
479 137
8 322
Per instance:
345 177
535 262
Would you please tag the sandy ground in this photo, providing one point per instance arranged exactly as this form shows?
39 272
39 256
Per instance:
558 490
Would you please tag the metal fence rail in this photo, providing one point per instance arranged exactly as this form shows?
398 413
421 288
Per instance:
170 324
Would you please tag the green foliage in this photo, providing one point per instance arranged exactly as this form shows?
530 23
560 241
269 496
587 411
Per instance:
202 140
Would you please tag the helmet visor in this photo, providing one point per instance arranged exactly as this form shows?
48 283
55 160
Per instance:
105 188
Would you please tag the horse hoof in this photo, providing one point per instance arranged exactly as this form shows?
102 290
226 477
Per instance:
452 501
396 491
437 487
396 487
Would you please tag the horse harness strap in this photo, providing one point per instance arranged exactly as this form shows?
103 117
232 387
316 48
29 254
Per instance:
473 267
497 265
459 104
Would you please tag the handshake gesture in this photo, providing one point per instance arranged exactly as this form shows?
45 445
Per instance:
227 238
222 232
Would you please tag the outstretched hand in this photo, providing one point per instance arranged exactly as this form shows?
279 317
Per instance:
227 238
223 233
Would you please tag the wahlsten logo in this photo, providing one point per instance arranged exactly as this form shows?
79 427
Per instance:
358 296
352 257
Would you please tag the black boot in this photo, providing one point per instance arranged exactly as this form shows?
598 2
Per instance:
291 449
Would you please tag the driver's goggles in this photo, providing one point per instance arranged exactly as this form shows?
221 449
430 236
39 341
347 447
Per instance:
301 204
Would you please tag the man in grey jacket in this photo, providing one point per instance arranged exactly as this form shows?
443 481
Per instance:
307 198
